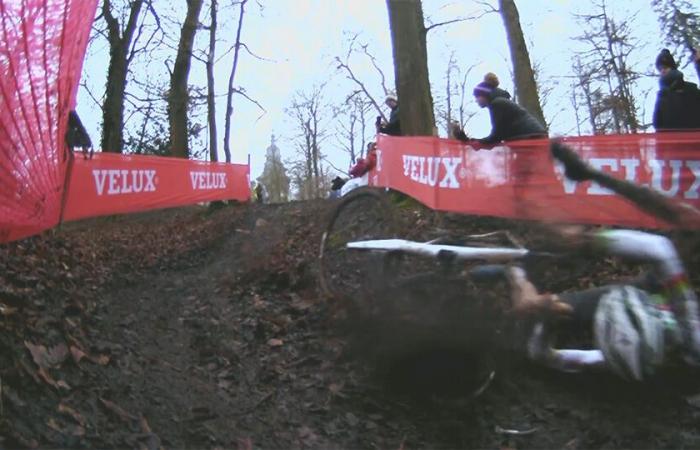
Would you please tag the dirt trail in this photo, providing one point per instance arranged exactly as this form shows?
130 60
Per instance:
224 343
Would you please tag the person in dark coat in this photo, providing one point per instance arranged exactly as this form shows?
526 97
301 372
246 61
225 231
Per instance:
509 121
393 127
678 101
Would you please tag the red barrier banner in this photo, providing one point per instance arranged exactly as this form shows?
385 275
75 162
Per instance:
520 180
114 184
42 44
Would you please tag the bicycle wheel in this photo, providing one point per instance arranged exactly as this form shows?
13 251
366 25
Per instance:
364 214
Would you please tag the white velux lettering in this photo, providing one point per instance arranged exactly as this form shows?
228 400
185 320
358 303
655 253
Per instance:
208 180
117 182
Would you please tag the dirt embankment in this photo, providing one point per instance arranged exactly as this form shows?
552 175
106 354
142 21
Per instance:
190 328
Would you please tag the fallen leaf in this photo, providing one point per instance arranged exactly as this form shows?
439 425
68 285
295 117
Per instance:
307 434
77 354
65 409
245 444
258 302
302 305
116 409
44 375
335 388
47 358
352 419
275 342
102 360
53 425
76 430
7 310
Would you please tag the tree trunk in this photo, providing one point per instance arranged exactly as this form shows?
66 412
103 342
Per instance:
411 67
525 84
178 99
211 98
229 95
119 46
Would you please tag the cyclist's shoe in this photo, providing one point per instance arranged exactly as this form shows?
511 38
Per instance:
538 348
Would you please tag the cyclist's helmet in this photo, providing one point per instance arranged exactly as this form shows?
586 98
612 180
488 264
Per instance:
630 332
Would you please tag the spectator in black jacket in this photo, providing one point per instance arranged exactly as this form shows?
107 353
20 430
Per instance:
393 127
509 121
678 101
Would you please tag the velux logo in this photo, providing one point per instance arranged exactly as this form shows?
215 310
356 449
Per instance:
673 178
428 170
208 180
117 181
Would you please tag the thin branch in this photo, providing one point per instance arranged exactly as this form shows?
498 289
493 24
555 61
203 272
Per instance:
351 75
250 52
84 85
327 161
376 66
242 93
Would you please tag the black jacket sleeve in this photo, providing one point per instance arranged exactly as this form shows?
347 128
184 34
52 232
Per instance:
498 112
392 128
657 120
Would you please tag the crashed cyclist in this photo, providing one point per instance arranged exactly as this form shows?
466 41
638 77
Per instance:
638 328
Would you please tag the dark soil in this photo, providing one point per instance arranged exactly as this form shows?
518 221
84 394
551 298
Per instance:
195 329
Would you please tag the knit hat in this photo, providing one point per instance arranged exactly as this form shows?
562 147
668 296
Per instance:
665 59
483 89
391 97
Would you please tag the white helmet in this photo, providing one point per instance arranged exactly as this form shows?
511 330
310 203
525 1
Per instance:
630 332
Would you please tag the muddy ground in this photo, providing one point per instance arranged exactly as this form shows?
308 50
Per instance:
193 328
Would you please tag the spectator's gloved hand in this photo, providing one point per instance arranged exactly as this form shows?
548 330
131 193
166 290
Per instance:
456 132
576 168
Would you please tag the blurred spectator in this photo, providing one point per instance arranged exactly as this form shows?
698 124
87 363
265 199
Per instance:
393 127
678 101
364 165
509 121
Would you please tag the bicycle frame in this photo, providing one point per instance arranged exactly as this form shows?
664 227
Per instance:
493 254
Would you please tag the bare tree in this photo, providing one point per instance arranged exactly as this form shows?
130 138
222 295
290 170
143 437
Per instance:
231 90
524 75
609 79
680 23
344 64
126 29
178 98
452 107
211 97
408 38
352 124
306 111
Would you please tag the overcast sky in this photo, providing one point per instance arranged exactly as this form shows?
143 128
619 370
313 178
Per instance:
300 39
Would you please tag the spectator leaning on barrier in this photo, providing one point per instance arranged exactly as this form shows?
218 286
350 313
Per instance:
364 165
678 101
509 121
393 127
